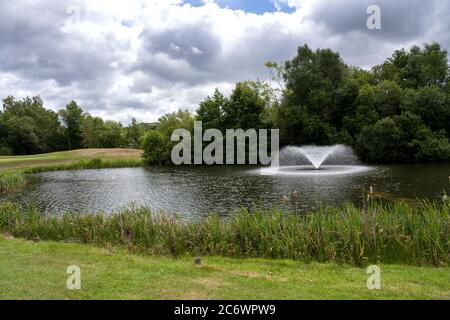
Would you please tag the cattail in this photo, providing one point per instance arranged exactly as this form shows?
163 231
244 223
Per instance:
285 199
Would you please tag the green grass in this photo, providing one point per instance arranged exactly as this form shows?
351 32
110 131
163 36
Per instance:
13 169
18 164
88 164
30 270
387 233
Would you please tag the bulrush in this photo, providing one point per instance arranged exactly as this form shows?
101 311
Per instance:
397 233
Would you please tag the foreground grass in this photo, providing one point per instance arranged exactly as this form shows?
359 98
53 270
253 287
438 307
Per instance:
37 270
380 233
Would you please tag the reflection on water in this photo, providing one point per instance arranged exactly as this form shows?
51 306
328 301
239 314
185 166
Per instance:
193 191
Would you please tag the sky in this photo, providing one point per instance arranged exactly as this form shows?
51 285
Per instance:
145 58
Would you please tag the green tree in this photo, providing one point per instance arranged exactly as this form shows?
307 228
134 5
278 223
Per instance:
431 104
41 129
113 135
416 68
91 130
298 127
380 142
244 107
134 133
157 144
312 79
72 117
210 111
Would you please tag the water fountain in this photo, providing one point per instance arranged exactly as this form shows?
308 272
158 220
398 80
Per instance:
317 160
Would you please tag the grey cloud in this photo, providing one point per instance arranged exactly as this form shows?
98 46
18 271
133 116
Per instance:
401 19
180 63
34 45
183 43
167 56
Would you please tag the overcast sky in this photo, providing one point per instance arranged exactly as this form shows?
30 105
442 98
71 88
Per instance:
143 58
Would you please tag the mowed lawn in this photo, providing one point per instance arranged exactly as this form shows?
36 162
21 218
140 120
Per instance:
17 163
37 270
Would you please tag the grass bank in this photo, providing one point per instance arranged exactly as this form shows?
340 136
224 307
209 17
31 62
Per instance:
18 164
13 169
37 270
88 164
381 233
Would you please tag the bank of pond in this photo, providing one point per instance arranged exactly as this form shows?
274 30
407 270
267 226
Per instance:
377 233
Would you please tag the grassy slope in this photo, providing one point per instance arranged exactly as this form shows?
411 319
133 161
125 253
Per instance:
20 163
37 271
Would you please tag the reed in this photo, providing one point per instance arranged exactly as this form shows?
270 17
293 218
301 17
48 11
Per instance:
387 233
88 164
10 182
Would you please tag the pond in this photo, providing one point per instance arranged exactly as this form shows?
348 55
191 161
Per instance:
196 191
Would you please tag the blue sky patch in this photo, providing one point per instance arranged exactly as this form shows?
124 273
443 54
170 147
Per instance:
254 6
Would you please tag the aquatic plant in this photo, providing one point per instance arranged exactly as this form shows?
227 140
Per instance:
10 182
88 164
388 233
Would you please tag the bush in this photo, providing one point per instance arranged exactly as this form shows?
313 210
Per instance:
6 151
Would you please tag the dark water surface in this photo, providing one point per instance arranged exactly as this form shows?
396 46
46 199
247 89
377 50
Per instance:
197 191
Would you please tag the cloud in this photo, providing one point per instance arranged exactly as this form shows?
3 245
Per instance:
144 58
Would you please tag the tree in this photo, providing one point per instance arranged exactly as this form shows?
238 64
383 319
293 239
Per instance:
91 131
244 107
72 117
312 79
210 111
41 130
431 104
113 135
134 133
380 142
298 127
157 144
384 97
431 147
403 138
416 68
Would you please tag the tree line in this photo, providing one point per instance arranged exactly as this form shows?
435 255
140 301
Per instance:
27 127
398 111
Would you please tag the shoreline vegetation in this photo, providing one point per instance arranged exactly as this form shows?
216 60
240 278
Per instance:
380 233
14 169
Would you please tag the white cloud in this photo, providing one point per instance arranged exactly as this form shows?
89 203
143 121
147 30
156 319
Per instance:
144 58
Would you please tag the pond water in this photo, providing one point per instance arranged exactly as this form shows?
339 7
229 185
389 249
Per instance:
196 191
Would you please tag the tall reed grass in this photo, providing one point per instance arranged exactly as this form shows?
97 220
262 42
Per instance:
88 164
10 182
395 233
